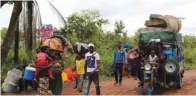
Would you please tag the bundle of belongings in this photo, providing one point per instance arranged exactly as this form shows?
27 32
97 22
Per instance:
57 43
159 23
80 48
12 80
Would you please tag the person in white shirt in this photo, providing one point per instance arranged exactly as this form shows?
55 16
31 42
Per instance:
92 65
152 57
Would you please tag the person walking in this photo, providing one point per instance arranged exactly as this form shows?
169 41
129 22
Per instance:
119 60
134 62
80 69
93 63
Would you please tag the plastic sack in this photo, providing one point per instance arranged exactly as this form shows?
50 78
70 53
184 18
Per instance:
3 85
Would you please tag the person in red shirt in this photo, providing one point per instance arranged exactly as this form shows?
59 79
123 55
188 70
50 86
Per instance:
42 59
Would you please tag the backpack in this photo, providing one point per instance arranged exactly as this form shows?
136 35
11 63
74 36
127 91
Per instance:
41 59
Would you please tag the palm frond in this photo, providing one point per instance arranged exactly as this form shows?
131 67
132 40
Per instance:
60 17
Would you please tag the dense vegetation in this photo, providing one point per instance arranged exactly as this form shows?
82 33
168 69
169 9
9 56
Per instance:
87 26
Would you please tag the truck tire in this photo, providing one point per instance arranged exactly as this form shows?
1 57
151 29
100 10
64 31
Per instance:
172 67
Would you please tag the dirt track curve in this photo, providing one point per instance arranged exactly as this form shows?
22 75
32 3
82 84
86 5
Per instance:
129 87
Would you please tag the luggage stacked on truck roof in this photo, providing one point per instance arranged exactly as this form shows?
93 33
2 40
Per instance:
160 23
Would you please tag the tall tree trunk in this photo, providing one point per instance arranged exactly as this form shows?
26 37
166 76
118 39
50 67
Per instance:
28 27
16 44
5 47
30 19
34 37
35 17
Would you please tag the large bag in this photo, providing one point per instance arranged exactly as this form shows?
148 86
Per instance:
14 76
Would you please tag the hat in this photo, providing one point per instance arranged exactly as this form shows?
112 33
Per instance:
91 44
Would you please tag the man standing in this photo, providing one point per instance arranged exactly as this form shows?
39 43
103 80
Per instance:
119 60
93 63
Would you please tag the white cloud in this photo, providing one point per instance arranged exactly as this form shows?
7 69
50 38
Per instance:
132 12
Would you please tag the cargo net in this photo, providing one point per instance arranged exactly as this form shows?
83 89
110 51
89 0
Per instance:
160 23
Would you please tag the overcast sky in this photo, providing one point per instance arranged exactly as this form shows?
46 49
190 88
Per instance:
132 12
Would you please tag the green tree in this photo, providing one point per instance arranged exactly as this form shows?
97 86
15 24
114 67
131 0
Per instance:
135 37
85 24
6 45
120 32
23 14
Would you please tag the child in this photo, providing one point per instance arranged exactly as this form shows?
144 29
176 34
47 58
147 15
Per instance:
42 59
152 57
80 69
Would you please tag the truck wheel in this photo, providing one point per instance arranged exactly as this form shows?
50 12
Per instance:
179 81
171 67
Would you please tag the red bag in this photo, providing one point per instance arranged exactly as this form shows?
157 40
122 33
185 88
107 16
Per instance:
125 72
41 59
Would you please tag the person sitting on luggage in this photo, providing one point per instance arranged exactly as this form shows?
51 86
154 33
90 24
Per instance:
42 59
152 57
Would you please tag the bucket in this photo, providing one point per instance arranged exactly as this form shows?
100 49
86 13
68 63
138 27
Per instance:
29 73
9 88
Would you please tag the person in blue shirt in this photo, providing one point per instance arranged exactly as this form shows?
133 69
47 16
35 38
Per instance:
119 60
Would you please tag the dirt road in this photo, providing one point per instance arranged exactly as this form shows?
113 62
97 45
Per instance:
129 87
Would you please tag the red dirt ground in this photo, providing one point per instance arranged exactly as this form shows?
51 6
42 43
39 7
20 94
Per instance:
129 87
